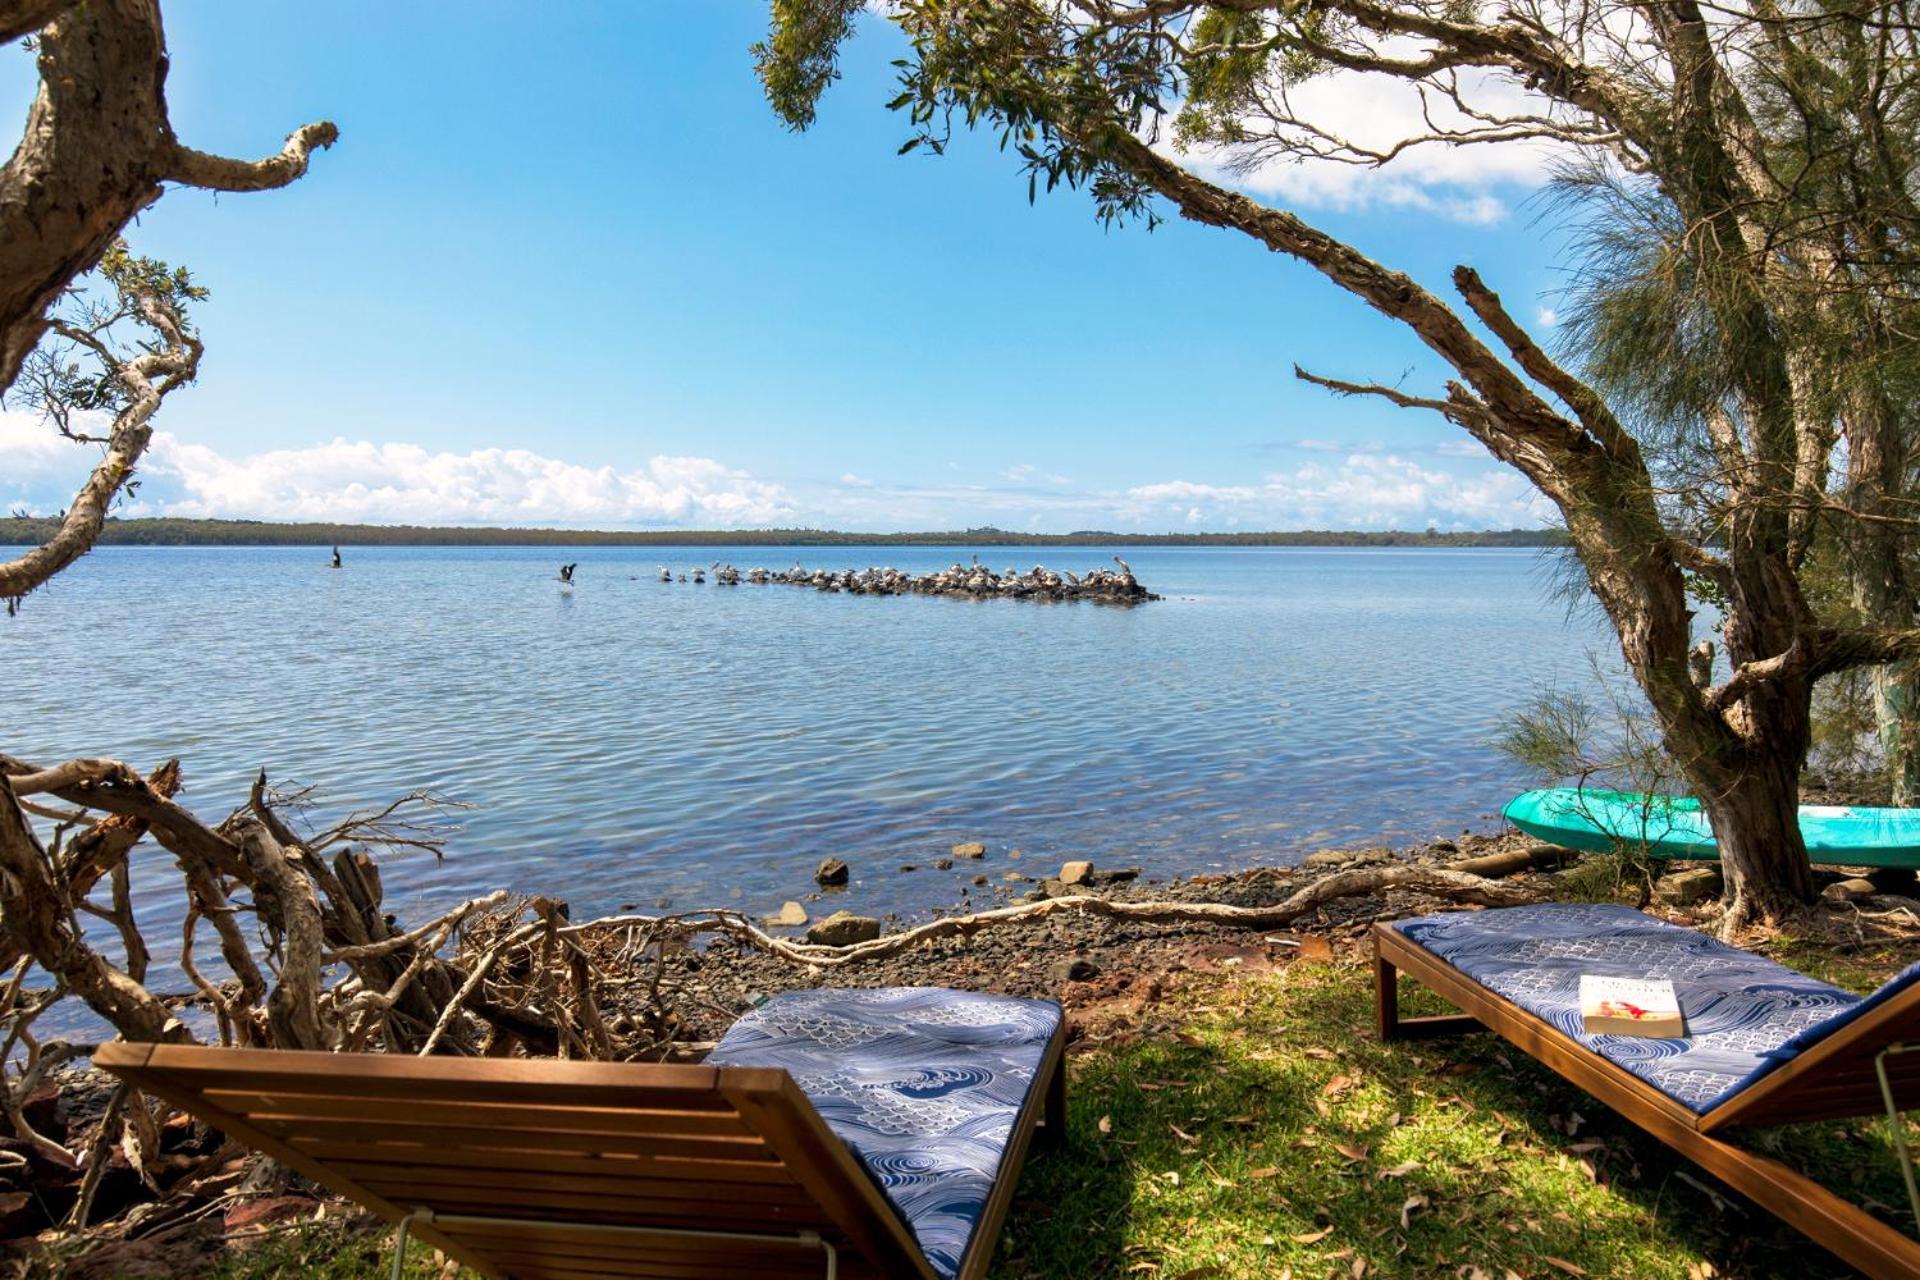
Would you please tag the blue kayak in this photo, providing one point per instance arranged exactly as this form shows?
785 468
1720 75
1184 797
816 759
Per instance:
1676 827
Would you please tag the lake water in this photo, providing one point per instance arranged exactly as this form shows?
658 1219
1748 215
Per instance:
630 741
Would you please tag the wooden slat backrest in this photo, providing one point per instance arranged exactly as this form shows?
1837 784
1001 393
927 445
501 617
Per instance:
1835 1078
575 1145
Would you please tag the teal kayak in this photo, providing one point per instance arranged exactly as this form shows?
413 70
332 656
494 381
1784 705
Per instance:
1676 827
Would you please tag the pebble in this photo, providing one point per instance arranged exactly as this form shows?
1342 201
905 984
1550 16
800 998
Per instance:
973 849
831 871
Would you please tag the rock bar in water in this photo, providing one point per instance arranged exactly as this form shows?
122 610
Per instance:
1102 586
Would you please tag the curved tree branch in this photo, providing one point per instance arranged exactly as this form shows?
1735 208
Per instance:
219 173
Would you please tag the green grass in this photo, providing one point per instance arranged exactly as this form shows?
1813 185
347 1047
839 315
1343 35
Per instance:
1267 1129
1276 1132
333 1252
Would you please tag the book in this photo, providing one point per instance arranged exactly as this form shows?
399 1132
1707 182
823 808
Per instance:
1630 1007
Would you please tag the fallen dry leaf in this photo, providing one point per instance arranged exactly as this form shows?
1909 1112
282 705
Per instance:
1400 1170
1350 1151
1414 1203
1561 1264
1106 1124
1266 1171
1313 1237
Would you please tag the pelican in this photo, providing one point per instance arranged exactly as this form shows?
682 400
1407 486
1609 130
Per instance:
336 559
666 574
566 572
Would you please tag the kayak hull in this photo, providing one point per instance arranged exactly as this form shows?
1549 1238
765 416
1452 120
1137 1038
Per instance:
1597 821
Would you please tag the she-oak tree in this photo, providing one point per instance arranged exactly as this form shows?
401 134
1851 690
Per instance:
1695 101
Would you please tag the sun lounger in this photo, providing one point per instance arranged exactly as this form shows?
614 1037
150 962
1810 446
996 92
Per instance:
1765 1045
833 1133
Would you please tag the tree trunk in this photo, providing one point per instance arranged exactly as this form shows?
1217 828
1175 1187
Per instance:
1881 582
1896 713
1756 823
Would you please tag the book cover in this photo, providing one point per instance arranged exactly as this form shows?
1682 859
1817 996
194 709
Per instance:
1630 1007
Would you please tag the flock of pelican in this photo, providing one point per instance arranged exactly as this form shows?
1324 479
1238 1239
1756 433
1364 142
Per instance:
976 581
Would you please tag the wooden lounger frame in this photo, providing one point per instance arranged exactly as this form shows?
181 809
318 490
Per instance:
1837 1078
543 1170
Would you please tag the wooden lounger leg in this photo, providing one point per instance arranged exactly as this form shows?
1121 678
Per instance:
1053 1117
1386 1009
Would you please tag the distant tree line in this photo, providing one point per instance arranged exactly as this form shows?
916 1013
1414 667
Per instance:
170 532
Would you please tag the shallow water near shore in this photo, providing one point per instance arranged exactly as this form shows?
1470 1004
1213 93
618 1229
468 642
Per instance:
629 741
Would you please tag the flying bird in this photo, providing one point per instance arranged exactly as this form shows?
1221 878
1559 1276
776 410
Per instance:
566 572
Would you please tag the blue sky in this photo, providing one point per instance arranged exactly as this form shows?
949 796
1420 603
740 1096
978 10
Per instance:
564 267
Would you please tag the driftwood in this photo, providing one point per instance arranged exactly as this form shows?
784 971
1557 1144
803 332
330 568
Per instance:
1535 857
311 959
1436 881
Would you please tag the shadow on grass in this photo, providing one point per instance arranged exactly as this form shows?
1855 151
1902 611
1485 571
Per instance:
1274 1131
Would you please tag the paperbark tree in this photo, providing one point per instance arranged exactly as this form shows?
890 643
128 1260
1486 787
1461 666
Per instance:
97 149
1670 93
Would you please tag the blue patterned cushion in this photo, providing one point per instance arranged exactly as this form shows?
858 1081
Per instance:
923 1083
1745 1014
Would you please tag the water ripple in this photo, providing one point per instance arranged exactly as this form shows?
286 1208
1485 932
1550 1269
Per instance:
633 740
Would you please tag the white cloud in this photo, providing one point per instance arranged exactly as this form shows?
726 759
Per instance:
1027 473
1364 491
1451 484
1547 317
359 480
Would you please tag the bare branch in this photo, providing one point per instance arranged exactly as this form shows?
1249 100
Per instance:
219 173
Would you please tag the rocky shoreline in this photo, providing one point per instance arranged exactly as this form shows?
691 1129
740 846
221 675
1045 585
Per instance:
1089 962
1075 957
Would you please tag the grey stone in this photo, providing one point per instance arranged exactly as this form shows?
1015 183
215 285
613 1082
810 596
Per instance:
790 915
831 871
1684 888
843 929
1849 891
972 849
